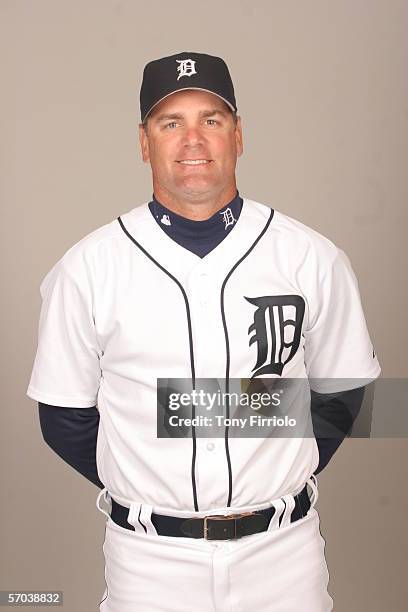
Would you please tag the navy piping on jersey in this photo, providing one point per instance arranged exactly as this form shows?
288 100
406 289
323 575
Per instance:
227 369
190 338
227 346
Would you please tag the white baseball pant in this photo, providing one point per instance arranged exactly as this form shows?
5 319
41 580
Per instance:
282 569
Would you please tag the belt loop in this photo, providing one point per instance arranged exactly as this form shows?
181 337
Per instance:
145 519
290 504
312 482
107 498
279 507
134 517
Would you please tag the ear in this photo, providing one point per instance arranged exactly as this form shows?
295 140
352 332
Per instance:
238 137
144 143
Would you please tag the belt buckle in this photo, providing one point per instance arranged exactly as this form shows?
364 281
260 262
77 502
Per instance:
223 517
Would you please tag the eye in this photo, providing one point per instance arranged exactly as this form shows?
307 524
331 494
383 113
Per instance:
212 122
171 124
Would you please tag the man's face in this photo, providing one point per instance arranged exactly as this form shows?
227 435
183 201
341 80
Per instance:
192 144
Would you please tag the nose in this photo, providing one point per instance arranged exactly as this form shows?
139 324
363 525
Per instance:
193 136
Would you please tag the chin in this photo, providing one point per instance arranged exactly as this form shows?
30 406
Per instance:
196 187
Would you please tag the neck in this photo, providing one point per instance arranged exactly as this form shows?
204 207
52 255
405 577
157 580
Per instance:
197 207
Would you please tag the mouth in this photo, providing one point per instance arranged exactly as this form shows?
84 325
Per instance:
193 162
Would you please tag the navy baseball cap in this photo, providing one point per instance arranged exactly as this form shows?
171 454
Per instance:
187 70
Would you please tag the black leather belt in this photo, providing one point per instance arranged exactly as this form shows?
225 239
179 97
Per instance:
214 527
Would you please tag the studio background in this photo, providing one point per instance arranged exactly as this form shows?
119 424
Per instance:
322 91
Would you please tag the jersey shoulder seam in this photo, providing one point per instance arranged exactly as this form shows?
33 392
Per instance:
112 230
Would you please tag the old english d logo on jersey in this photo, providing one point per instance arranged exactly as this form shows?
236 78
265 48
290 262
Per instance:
276 329
186 68
228 218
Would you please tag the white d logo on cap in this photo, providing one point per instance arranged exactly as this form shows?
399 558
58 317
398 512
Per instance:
186 68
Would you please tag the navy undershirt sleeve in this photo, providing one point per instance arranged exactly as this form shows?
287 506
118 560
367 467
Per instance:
333 415
72 433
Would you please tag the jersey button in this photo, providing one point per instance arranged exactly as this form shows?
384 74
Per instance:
210 446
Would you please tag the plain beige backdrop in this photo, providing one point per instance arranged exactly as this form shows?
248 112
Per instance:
322 90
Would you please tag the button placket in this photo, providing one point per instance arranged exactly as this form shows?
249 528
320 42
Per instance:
203 289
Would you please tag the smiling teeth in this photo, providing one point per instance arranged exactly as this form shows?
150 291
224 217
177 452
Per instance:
194 161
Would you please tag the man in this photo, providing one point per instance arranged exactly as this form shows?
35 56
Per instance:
200 284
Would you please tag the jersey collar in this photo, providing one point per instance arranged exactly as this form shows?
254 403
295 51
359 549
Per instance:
181 262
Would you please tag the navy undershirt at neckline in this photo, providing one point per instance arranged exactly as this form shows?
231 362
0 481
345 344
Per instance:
199 237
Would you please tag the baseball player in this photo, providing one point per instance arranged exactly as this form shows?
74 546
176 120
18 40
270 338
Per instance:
200 283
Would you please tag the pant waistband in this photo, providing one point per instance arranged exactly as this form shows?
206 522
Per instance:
214 527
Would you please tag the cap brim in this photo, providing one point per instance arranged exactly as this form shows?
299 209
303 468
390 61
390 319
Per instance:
184 89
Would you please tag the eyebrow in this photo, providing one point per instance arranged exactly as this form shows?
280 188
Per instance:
207 113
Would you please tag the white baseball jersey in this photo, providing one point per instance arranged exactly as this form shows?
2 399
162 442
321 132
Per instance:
127 305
